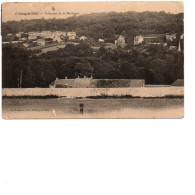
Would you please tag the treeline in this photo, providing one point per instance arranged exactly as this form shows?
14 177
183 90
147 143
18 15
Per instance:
156 64
104 25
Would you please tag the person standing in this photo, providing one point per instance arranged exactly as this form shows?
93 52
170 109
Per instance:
81 108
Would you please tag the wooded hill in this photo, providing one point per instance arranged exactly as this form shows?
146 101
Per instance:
104 25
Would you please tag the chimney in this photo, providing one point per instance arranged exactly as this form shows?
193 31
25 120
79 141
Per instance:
91 76
56 78
84 76
65 77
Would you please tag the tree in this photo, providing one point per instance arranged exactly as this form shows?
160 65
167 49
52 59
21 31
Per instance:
83 69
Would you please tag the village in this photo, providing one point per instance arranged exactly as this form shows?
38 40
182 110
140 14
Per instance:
53 40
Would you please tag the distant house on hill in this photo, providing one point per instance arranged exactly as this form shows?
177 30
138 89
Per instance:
120 41
56 38
19 34
9 34
172 47
101 40
32 35
71 35
23 39
138 40
82 38
15 42
170 37
149 39
40 42
154 38
95 49
178 83
25 44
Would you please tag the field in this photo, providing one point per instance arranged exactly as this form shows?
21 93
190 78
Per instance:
93 108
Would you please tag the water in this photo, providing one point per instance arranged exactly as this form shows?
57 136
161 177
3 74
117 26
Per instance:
93 108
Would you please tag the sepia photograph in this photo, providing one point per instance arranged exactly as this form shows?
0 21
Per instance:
92 97
74 60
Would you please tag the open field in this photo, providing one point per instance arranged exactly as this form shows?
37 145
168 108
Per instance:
93 108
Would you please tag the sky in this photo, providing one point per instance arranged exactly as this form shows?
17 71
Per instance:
37 10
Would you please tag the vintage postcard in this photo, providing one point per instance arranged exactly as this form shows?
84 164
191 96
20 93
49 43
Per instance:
93 60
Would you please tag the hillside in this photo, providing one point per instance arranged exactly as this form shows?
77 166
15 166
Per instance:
105 25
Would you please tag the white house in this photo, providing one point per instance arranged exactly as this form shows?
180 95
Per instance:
9 34
82 38
71 35
25 44
170 37
138 40
120 41
23 39
100 40
19 34
61 33
172 47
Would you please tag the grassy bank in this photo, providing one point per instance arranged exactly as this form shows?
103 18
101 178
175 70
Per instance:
33 97
104 96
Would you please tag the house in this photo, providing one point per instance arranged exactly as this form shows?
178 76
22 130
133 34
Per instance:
82 38
32 35
172 47
101 40
97 83
19 34
40 42
71 35
57 38
165 44
138 40
9 34
154 38
61 34
170 37
62 83
23 39
15 42
120 41
45 34
95 49
25 44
